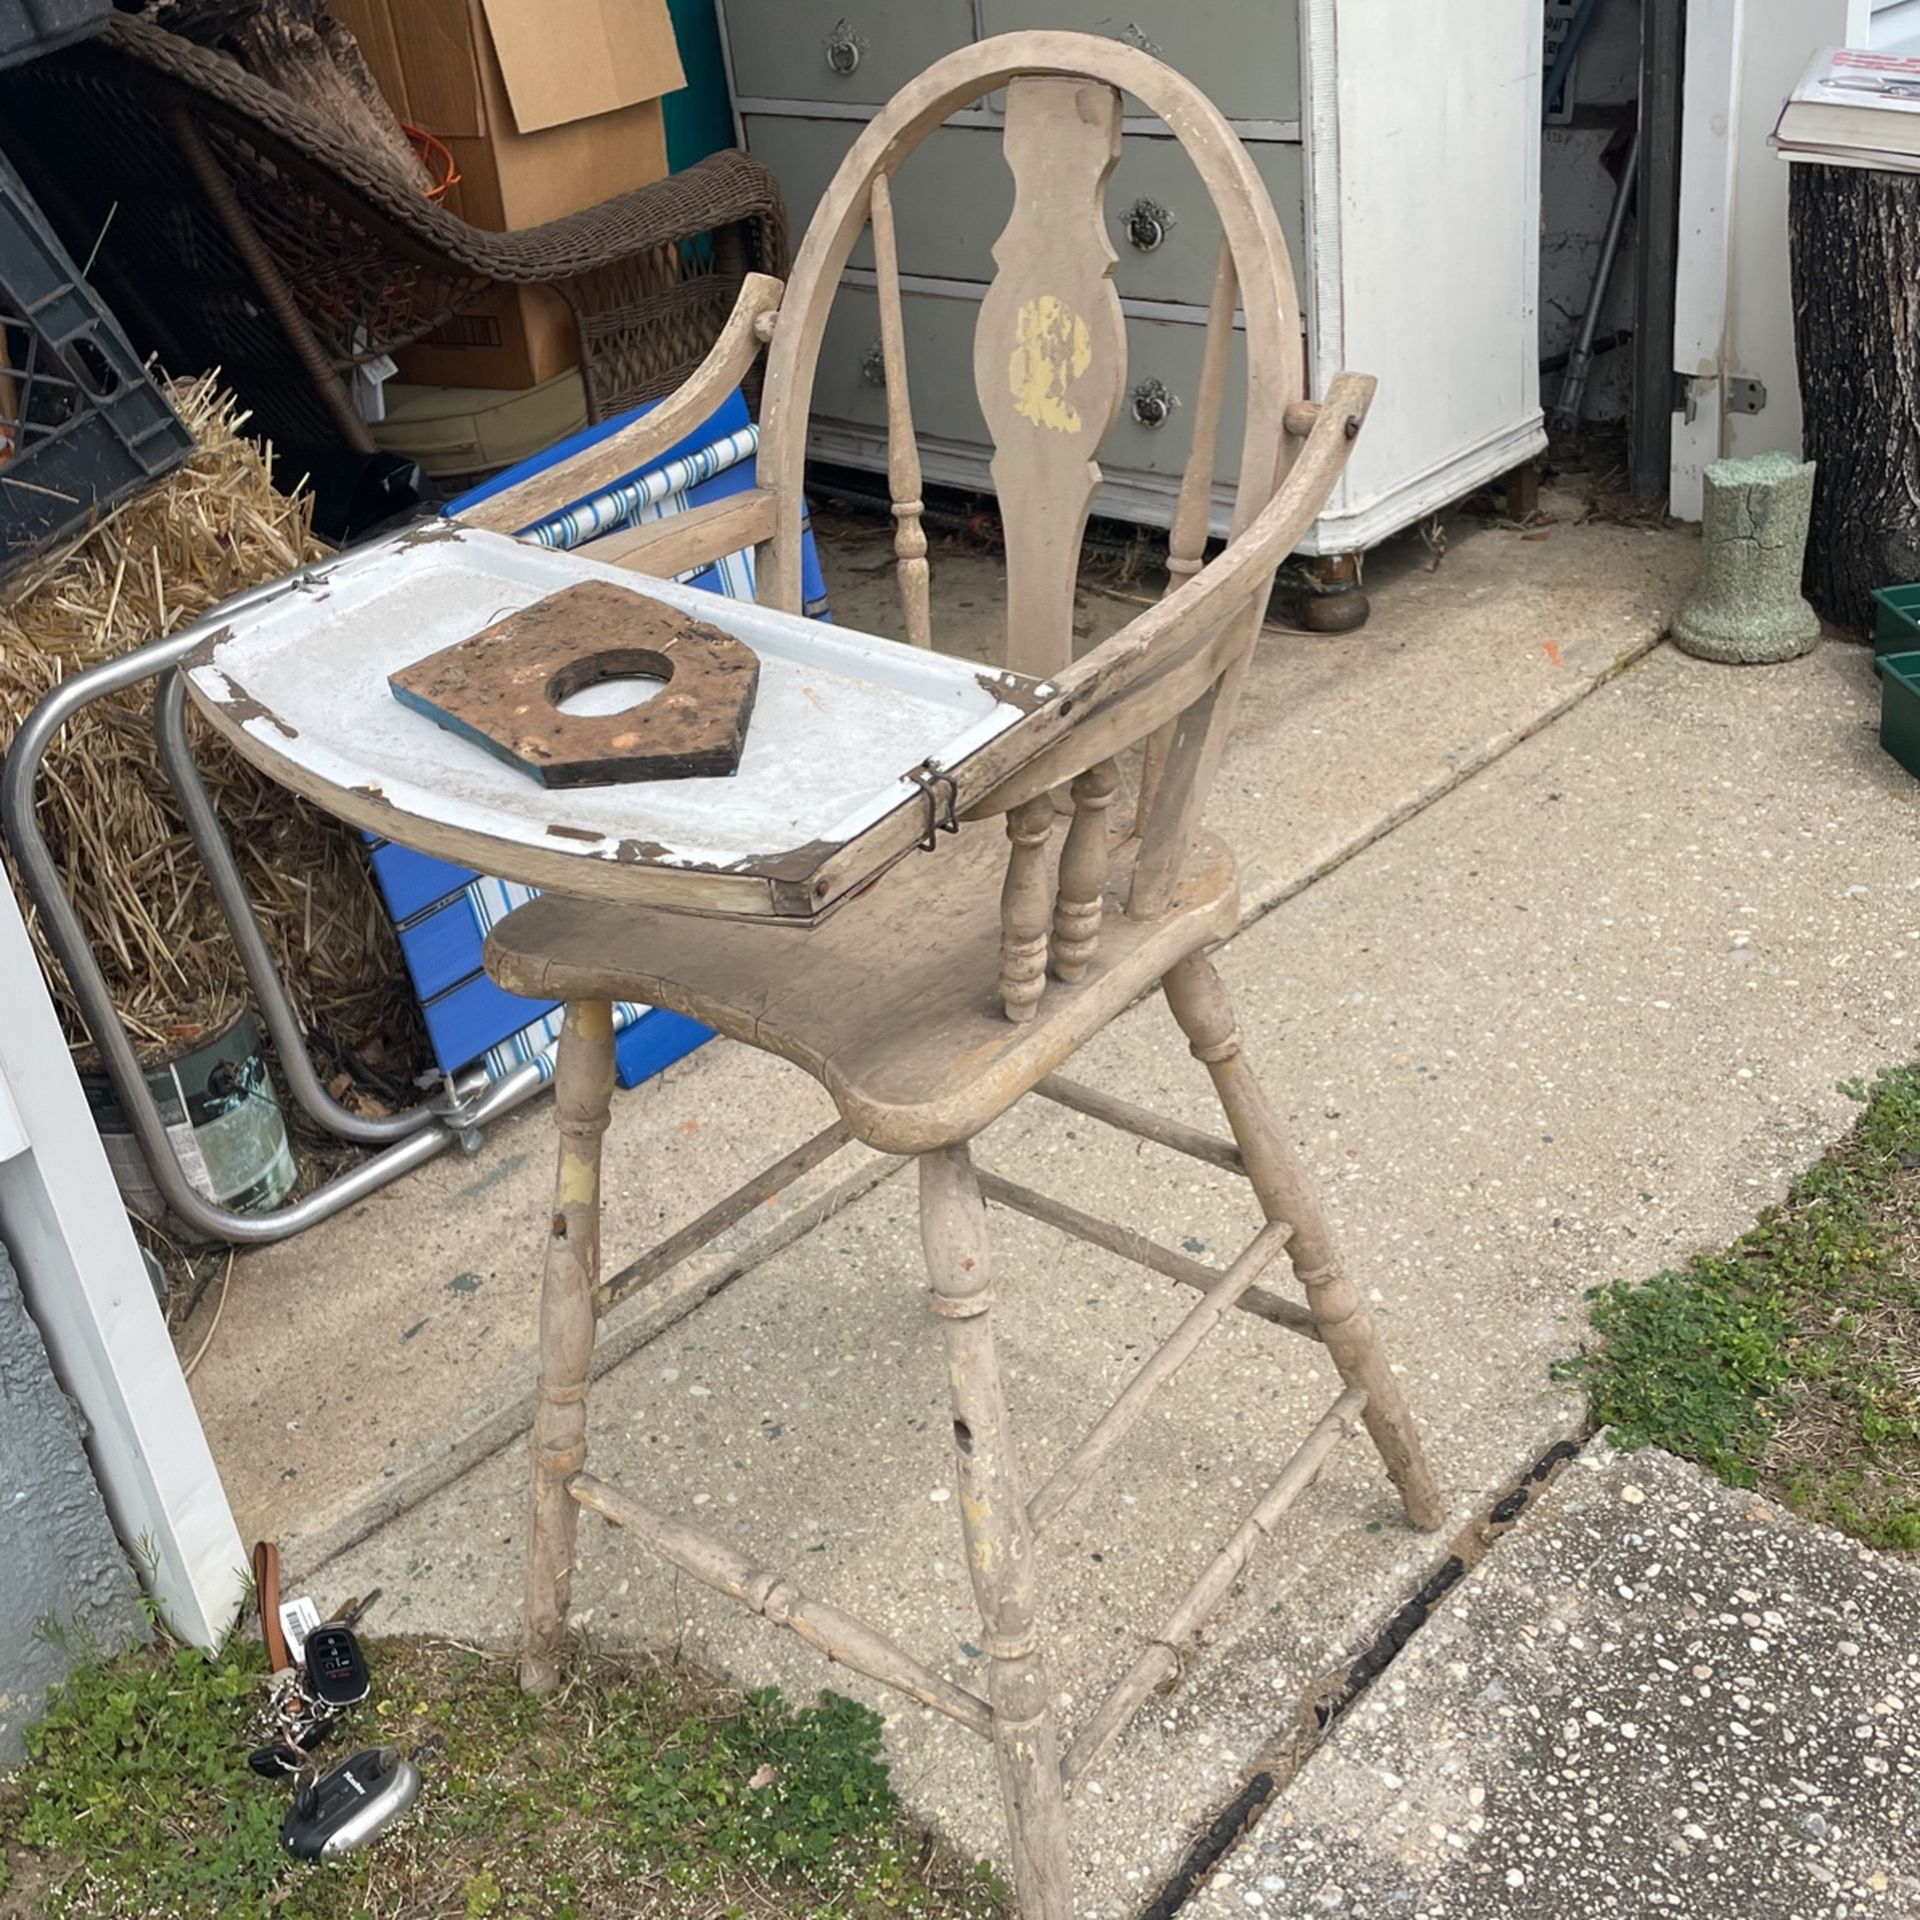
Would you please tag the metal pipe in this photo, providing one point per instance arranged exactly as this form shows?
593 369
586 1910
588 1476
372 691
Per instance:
1603 343
1656 249
461 1116
229 889
1571 400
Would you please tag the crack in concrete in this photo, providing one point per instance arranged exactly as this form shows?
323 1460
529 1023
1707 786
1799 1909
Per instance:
1324 1701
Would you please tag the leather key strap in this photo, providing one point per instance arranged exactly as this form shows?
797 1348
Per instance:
266 1587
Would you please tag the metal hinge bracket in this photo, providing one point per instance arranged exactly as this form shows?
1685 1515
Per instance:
1743 393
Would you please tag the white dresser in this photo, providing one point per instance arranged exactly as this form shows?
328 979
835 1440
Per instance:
1401 142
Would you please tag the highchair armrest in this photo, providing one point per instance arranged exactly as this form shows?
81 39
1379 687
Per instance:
1165 658
611 459
1225 582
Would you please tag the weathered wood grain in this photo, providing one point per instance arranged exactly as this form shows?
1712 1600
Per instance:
633 447
1159 1662
1075 1473
993 1519
582 1099
1050 353
829 1630
1200 1004
903 451
1081 898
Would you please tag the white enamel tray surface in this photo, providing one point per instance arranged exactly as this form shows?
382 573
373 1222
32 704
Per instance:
300 681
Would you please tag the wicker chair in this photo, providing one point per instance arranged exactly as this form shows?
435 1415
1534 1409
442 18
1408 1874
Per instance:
235 228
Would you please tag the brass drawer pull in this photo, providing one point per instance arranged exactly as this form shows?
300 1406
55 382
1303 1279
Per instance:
844 47
1153 402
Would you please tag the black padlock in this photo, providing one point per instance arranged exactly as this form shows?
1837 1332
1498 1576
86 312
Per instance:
349 1806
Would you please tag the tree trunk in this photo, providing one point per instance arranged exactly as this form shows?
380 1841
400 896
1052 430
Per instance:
1854 238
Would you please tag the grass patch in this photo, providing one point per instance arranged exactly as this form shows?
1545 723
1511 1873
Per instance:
642 1787
1792 1360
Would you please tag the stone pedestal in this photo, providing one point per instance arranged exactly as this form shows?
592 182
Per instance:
1747 607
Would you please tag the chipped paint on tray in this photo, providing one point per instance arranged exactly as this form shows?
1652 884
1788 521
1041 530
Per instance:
841 715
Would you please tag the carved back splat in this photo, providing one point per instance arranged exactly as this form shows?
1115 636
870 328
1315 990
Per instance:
1050 372
1050 352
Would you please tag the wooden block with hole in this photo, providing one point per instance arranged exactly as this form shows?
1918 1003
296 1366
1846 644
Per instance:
503 689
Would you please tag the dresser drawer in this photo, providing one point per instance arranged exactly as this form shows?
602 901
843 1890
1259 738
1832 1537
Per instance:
1163 378
1155 426
1246 59
953 198
851 386
860 51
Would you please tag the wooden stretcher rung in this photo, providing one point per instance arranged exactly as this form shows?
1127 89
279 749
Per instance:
843 1639
1142 1122
1076 1472
1159 1661
720 1216
1136 1247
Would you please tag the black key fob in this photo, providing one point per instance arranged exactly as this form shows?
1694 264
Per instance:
283 1757
350 1806
336 1668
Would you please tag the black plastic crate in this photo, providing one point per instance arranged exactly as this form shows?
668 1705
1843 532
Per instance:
81 424
30 27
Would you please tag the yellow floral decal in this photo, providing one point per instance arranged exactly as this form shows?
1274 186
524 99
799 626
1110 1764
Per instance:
1052 349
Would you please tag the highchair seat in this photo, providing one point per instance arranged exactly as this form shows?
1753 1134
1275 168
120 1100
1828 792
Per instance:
891 1003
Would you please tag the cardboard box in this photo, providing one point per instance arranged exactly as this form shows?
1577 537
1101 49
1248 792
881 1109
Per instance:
547 106
512 338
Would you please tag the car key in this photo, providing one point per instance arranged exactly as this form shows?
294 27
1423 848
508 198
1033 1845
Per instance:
336 1668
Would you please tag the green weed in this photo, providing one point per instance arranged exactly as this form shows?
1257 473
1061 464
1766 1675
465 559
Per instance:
640 1786
1789 1361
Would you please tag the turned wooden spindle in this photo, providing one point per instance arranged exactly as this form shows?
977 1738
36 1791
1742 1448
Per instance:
1083 873
903 452
1340 1312
583 1097
999 1539
1193 510
1025 908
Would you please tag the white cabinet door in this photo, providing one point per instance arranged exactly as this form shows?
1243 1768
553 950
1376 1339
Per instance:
1734 309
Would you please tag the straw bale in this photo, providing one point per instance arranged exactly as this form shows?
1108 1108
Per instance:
214 526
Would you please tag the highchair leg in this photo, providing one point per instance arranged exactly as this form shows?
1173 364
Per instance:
583 1098
999 1540
1200 1003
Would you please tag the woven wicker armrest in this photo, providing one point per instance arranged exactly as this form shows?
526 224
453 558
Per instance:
726 189
346 253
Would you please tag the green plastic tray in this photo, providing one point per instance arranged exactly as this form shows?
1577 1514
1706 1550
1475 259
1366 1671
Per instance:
1896 619
1900 708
